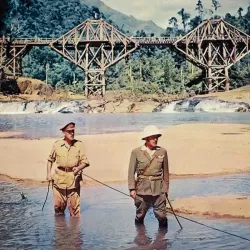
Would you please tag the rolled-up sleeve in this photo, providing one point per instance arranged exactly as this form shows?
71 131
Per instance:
166 172
52 155
131 171
82 155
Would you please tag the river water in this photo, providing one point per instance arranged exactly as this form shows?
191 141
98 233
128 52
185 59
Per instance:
47 125
107 220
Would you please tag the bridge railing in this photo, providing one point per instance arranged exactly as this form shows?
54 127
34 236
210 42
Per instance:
194 39
34 40
154 40
140 40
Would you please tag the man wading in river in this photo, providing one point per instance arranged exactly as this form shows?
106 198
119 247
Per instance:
70 158
150 163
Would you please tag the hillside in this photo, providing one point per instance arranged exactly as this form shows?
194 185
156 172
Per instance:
127 23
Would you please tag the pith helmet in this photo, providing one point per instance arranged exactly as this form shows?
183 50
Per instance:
68 126
149 131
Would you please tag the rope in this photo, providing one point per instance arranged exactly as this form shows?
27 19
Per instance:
185 218
214 228
46 195
172 210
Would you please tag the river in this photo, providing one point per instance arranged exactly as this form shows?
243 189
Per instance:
47 125
107 220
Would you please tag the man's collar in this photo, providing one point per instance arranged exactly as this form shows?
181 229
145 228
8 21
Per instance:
65 144
143 148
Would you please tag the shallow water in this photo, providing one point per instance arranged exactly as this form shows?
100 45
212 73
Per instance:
107 220
48 125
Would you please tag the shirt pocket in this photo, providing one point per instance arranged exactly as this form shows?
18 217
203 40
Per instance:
160 159
142 163
61 158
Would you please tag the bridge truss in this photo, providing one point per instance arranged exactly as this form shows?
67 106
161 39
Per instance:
214 46
95 45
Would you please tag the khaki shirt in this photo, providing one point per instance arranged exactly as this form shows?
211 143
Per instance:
67 156
139 160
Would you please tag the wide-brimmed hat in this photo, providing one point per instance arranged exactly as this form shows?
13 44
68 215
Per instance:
68 126
149 131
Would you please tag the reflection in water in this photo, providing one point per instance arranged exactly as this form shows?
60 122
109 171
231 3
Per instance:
107 220
68 233
143 241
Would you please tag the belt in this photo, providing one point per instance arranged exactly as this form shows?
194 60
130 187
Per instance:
150 177
65 169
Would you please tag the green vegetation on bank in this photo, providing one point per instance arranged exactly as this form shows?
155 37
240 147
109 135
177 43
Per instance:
148 70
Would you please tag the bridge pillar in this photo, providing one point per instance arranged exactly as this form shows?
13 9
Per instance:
214 46
2 54
227 79
94 45
11 58
217 79
209 75
95 82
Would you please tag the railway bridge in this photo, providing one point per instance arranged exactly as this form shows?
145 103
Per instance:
94 45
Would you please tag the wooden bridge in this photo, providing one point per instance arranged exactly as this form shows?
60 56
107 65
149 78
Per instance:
95 45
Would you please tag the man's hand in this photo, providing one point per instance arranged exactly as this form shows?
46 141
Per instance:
49 177
133 194
76 170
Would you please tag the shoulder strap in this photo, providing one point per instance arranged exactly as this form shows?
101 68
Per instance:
150 163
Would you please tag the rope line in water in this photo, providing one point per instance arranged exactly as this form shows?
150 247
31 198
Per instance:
185 218
214 228
46 195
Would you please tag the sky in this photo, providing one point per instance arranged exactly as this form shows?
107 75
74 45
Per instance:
160 11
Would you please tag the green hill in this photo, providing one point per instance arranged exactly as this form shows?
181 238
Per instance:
127 23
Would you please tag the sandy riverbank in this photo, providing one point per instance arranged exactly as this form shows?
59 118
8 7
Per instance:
229 206
195 149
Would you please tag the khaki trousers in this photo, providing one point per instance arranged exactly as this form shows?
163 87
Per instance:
64 197
144 202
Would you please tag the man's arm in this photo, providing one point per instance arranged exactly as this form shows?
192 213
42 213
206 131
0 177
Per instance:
80 167
83 160
166 172
49 166
51 160
131 175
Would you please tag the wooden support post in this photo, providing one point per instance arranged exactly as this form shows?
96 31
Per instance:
14 62
227 84
86 83
227 79
103 83
209 72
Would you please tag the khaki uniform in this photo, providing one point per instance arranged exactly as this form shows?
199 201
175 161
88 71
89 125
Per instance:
151 185
66 186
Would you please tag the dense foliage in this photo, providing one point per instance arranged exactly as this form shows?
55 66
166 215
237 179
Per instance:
149 69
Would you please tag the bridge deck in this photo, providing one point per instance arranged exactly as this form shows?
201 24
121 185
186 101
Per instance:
37 41
46 41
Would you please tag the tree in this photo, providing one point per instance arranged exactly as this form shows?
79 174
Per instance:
3 11
200 9
184 17
215 5
173 21
240 12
